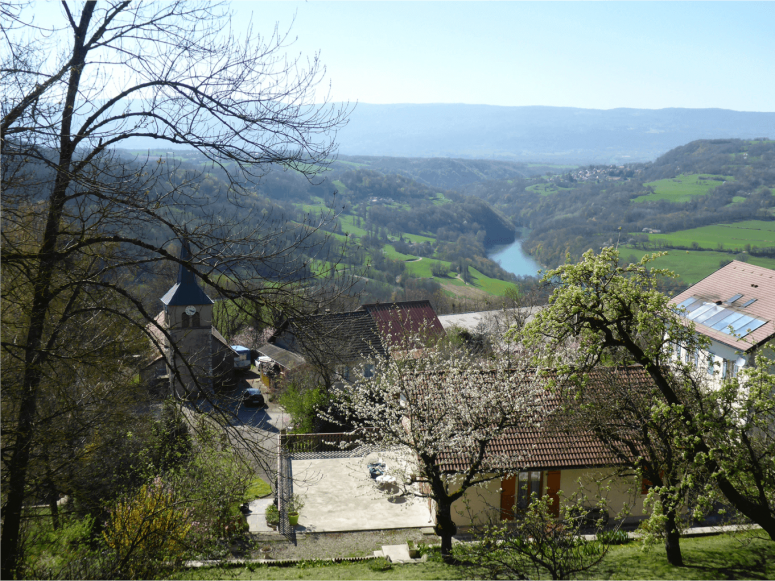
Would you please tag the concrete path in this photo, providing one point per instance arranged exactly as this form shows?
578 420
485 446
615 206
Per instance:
395 553
339 495
257 516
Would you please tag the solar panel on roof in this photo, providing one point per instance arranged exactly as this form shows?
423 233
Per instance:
720 316
740 323
704 308
752 301
708 314
726 321
694 306
734 298
755 324
687 302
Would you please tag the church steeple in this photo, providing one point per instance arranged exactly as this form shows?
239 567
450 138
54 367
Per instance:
186 291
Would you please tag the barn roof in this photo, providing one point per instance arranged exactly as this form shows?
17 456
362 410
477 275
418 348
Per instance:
336 337
401 321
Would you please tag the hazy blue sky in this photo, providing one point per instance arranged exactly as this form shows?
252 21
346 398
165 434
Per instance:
582 54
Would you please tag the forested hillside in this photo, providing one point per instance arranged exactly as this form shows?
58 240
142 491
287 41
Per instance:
701 184
706 202
400 237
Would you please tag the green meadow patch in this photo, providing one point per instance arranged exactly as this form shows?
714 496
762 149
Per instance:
546 189
731 236
682 188
390 252
692 265
440 199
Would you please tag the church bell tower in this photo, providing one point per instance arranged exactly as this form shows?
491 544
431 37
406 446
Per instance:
188 314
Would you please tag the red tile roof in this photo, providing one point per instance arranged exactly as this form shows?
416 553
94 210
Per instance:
403 320
753 282
556 445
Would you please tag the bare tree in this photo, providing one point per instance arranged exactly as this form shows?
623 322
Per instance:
84 227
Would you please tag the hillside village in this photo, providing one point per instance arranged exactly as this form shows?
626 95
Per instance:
379 484
450 308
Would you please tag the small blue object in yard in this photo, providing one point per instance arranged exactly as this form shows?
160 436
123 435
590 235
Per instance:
242 357
376 469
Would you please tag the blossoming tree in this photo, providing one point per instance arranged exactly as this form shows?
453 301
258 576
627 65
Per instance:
445 411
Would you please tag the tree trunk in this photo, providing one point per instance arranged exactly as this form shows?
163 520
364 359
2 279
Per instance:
673 541
20 457
445 528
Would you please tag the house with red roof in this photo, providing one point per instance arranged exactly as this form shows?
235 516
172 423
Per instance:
557 456
735 309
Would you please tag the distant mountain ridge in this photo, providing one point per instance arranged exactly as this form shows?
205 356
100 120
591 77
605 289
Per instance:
539 134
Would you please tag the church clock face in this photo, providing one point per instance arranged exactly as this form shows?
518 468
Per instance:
190 311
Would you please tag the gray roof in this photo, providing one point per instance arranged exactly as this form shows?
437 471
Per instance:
282 357
342 337
186 291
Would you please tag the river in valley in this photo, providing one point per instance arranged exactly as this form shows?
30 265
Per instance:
513 259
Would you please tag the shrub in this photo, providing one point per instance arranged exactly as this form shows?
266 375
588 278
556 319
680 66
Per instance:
272 515
613 537
380 564
147 526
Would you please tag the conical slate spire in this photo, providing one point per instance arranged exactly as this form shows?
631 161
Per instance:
186 291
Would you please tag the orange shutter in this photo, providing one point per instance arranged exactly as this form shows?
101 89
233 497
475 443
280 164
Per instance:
552 487
508 487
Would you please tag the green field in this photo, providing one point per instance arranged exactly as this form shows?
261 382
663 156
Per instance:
489 285
390 252
681 188
414 268
731 236
545 189
418 238
440 199
348 226
692 265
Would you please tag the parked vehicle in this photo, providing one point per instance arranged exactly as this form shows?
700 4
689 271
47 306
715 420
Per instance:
253 396
242 358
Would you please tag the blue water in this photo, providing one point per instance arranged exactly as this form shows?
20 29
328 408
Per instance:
513 259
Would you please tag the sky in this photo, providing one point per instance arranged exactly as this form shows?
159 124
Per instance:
597 55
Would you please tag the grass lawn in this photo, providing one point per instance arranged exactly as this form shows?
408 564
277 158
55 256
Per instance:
258 489
732 236
681 189
692 265
716 557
